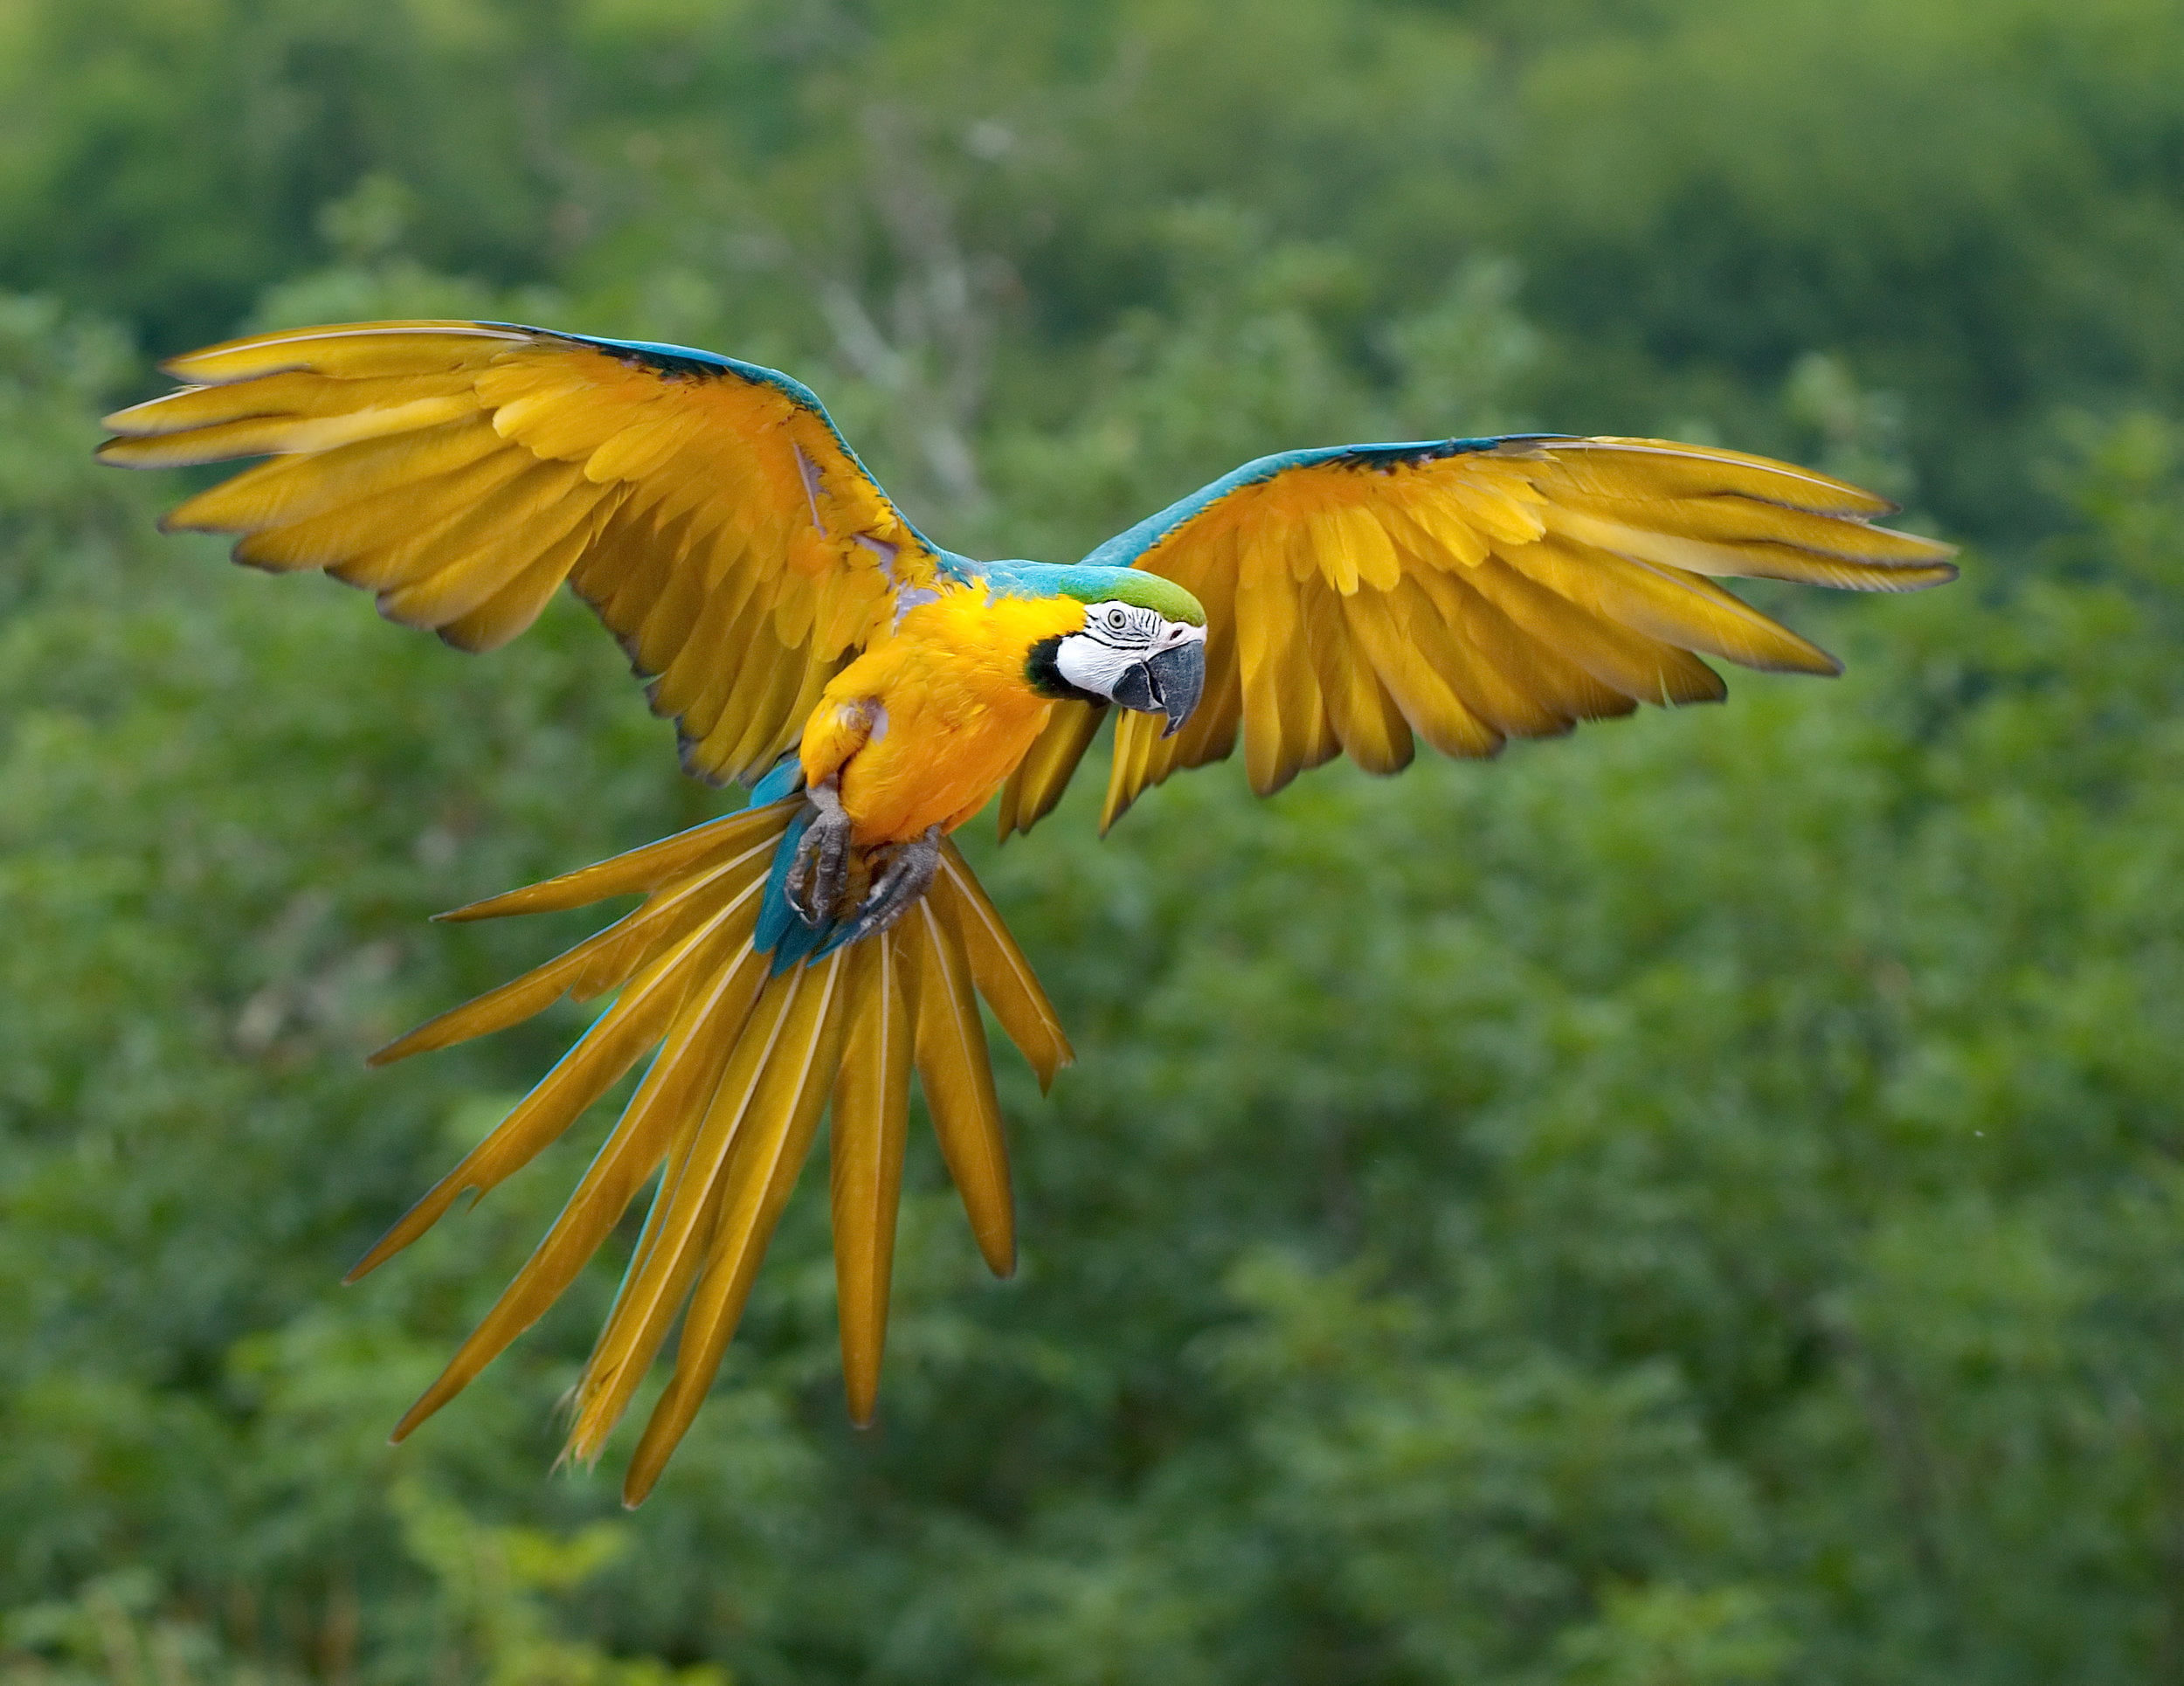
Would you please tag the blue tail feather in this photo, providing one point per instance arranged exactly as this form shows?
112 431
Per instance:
800 942
785 777
776 917
780 929
835 933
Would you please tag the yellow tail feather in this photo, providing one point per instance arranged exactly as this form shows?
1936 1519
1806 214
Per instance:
957 1079
870 1126
747 1065
771 1143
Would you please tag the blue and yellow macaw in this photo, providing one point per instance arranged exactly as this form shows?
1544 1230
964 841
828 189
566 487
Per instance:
814 948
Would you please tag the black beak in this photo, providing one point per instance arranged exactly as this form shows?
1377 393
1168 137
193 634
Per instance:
1169 682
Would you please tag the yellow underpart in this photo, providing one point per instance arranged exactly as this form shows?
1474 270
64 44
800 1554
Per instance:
951 712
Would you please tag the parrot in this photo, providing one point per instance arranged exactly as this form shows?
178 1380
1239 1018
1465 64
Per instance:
807 954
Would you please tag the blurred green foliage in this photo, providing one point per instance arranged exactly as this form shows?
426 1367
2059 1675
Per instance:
1699 1204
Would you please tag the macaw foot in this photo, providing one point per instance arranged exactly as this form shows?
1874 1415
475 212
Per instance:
821 868
906 874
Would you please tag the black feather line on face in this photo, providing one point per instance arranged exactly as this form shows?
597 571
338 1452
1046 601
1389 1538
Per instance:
1043 668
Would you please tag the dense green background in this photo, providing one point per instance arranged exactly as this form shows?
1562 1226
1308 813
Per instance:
1697 1205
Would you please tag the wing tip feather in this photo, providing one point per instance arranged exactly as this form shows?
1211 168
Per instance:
200 367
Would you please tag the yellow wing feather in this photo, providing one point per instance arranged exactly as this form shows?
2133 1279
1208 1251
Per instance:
461 471
1475 591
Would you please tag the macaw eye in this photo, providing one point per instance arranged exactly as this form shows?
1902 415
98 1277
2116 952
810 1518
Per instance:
1117 621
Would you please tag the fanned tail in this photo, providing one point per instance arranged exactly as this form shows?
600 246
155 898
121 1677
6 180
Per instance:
747 1064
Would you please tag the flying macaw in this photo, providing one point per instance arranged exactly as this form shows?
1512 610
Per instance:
876 691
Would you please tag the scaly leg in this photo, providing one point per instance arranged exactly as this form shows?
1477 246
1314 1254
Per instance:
908 874
821 867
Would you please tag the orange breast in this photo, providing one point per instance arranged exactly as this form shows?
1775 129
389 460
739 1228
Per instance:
952 710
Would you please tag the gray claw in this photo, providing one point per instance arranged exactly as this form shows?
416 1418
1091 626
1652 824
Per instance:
908 874
821 867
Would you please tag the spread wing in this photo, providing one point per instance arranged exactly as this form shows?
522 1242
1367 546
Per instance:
706 508
1469 591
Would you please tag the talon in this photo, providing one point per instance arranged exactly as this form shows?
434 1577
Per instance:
821 867
908 874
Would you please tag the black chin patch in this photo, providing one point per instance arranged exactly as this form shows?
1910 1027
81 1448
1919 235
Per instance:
1043 669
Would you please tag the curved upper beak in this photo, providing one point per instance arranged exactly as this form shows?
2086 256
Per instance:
1168 682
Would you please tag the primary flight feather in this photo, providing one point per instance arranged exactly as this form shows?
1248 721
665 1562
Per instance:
802 957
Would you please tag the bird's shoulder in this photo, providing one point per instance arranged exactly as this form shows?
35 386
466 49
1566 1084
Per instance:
1003 610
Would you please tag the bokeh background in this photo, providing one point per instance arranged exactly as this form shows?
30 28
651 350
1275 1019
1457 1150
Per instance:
1695 1204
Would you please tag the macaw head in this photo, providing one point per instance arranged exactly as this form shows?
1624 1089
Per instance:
1142 644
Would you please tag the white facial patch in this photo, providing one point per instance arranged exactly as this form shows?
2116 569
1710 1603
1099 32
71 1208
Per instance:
1092 665
1117 635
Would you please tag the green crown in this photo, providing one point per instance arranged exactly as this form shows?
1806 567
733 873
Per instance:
1131 586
